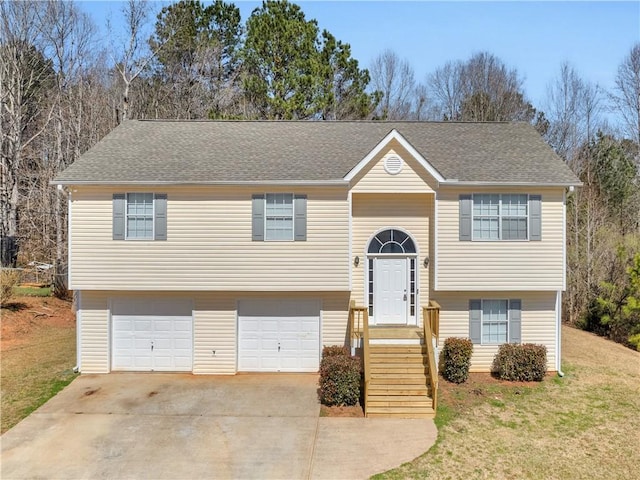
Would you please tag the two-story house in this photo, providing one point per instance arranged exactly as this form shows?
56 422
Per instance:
221 247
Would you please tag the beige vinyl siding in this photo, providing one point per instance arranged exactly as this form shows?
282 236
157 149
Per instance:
538 322
412 179
335 317
94 332
214 330
500 265
375 212
215 319
209 244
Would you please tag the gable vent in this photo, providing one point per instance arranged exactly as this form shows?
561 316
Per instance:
393 165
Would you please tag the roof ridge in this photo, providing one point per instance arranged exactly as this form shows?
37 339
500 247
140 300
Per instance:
330 122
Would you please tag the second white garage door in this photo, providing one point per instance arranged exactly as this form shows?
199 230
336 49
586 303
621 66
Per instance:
153 334
279 336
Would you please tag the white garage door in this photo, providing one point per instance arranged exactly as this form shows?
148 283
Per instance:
152 335
279 336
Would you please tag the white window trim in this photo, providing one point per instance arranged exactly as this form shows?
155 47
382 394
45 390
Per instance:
293 217
482 300
126 218
499 239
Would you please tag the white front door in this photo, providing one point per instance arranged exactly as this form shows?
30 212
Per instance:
390 281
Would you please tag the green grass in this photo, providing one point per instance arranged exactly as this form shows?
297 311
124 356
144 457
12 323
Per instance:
32 291
34 372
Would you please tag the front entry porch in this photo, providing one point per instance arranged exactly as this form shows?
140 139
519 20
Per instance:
400 373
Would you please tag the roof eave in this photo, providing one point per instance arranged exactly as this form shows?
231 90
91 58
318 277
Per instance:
469 183
317 183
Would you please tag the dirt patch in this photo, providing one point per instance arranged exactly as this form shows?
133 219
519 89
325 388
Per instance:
355 411
26 316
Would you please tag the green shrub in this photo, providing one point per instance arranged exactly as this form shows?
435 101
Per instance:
8 281
521 363
340 377
456 359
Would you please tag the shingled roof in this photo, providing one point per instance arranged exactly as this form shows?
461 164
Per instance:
193 152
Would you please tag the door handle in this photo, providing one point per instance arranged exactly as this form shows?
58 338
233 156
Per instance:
278 347
152 346
405 296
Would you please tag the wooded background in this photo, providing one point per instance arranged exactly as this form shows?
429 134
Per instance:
62 90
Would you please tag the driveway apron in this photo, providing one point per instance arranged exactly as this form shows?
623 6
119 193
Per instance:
170 426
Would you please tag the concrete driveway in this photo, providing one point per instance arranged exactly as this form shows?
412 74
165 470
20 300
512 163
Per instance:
178 426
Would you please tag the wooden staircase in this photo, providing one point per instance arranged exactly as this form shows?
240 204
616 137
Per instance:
400 377
398 383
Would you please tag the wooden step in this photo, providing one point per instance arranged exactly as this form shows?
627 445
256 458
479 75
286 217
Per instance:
402 333
397 349
410 382
392 368
430 414
398 401
374 390
401 412
383 360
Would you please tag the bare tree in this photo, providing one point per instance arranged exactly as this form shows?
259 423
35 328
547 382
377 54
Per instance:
132 57
480 89
626 96
573 109
67 35
446 86
25 75
395 78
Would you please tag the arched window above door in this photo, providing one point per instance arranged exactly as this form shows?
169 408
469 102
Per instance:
391 241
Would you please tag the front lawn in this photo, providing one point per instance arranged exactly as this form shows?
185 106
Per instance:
38 354
584 425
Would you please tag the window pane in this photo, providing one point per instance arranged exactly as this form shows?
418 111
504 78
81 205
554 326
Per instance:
514 205
485 228
399 236
514 228
486 204
392 247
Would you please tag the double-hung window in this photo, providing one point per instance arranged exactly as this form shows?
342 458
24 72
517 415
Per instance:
496 217
139 224
139 216
500 217
494 321
279 217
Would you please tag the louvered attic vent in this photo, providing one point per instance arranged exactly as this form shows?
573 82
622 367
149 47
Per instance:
393 165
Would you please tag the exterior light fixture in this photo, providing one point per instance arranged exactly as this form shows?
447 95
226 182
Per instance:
356 261
426 262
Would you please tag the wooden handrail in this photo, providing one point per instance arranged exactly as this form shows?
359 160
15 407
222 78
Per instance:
361 332
431 325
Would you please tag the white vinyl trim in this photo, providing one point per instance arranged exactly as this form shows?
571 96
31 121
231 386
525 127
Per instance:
350 258
558 330
434 229
393 135
564 240
69 236
78 294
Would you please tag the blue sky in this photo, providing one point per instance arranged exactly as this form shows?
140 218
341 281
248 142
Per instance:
534 37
